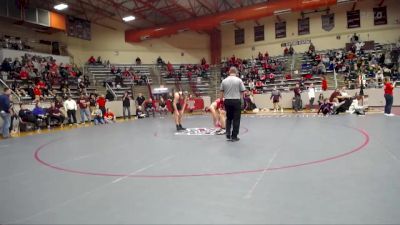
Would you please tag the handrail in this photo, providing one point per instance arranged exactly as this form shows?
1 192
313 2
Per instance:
15 94
108 87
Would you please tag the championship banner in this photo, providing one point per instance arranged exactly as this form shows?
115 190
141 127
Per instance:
280 29
353 19
239 36
78 28
304 26
259 33
328 22
380 16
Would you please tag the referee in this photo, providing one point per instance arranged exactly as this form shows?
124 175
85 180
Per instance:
232 88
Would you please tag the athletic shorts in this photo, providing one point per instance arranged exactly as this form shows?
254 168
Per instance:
179 106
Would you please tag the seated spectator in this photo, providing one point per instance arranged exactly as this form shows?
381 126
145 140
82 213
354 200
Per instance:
286 51
38 93
334 95
97 116
139 112
249 104
337 106
24 75
160 62
54 113
140 100
39 112
325 107
203 61
138 61
149 107
27 116
162 106
109 116
324 84
91 60
99 61
355 108
291 50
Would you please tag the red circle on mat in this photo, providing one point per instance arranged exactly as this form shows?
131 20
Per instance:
89 173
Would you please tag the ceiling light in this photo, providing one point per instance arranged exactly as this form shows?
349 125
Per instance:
128 18
61 6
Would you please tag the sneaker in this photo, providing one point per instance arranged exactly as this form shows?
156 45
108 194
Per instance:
281 110
221 132
391 114
275 110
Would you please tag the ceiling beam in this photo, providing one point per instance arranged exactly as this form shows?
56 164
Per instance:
189 12
156 9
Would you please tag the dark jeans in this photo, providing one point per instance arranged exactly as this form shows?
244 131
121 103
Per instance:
71 113
128 109
103 109
389 103
297 103
60 119
233 113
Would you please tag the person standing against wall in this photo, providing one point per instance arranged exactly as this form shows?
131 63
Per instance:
388 97
126 105
311 96
232 89
5 112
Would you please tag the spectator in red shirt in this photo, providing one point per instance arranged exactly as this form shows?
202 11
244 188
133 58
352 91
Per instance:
109 117
23 75
92 60
101 102
324 84
388 97
37 92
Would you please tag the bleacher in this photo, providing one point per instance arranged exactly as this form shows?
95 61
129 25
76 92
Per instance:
199 85
102 73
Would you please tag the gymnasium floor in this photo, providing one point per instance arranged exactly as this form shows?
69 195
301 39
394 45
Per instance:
292 169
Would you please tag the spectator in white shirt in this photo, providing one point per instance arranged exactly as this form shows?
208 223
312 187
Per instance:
71 107
311 96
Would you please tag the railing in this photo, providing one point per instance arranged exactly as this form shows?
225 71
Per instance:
12 92
111 90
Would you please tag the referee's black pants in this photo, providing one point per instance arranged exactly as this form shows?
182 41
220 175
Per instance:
233 113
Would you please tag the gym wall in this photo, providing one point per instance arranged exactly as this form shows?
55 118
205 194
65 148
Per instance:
322 39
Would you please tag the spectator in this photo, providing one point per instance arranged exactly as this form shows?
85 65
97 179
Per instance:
276 96
92 60
39 112
162 106
139 112
101 102
97 116
126 105
335 94
311 96
54 113
109 117
140 100
160 62
84 109
5 112
92 103
324 84
38 93
149 107
71 107
99 61
109 96
138 61
191 103
388 88
27 116
297 98
325 107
